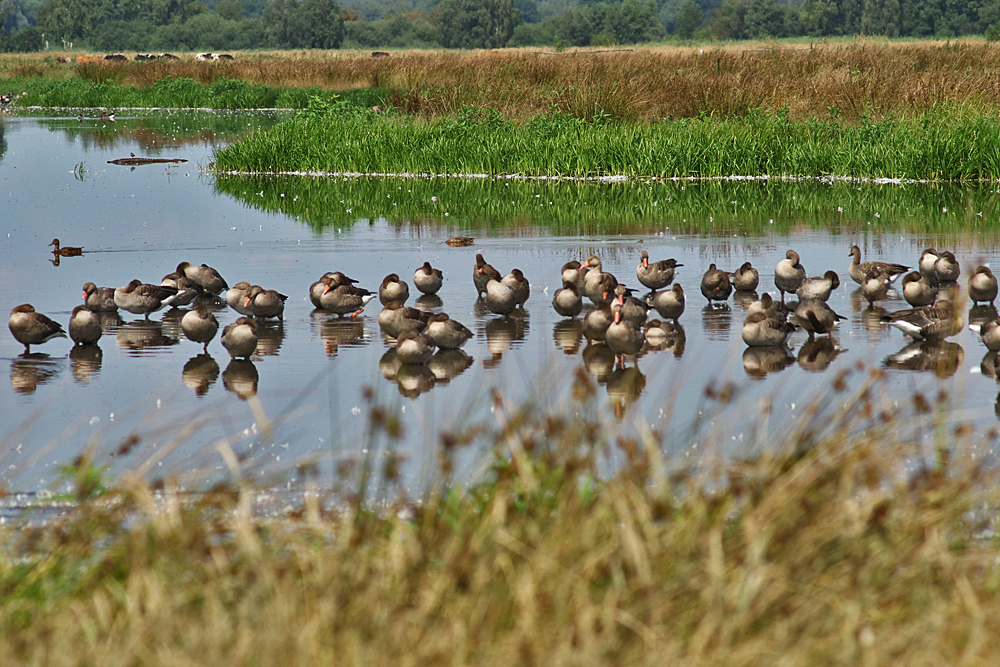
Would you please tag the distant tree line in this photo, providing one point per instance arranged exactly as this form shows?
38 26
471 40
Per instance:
177 25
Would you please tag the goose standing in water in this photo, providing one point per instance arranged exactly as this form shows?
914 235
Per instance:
500 298
771 308
759 330
240 338
31 328
820 287
396 318
265 303
875 286
594 281
428 279
670 303
816 317
65 252
412 347
482 273
946 267
789 274
715 285
928 258
989 331
933 323
567 301
982 286
200 326
623 337
446 333
204 275
574 272
517 284
633 310
344 299
99 299
187 289
919 290
655 275
85 326
143 299
858 269
746 278
236 297
393 289
597 321
331 279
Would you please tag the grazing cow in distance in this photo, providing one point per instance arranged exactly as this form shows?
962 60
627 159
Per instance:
222 56
115 56
204 56
169 56
144 56
380 54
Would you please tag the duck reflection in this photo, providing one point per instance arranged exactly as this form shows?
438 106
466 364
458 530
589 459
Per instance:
241 378
871 321
567 335
624 387
942 358
449 364
338 332
759 361
430 302
142 337
171 322
599 361
414 379
817 354
665 336
29 370
744 298
85 362
110 320
716 321
502 333
980 315
200 373
988 365
270 336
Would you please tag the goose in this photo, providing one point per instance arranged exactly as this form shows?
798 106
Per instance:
771 308
928 258
919 290
982 286
816 317
412 347
204 275
446 333
875 286
65 252
594 281
858 269
989 331
759 330
99 299
597 321
332 279
240 338
574 272
623 337
661 335
187 289
518 284
482 273
428 279
715 285
655 275
670 303
819 287
633 310
393 289
396 318
746 278
265 303
934 323
143 299
789 274
460 241
567 301
345 299
500 299
31 328
85 326
946 267
200 326
236 298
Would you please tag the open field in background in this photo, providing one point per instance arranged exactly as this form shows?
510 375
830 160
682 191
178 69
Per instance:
865 538
851 79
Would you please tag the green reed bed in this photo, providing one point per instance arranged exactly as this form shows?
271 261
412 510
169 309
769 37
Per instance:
634 207
940 146
863 537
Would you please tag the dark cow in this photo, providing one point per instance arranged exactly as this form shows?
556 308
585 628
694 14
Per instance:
115 56
380 54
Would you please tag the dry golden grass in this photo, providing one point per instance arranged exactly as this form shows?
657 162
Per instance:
857 78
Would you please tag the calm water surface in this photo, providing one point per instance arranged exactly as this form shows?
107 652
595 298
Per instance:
306 381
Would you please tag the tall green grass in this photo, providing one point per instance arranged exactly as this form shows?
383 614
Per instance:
635 207
941 146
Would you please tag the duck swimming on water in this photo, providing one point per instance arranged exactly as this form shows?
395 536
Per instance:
67 251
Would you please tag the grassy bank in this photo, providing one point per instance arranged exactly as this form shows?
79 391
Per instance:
582 208
946 145
848 540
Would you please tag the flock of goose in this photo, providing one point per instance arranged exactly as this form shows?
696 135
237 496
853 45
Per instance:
618 318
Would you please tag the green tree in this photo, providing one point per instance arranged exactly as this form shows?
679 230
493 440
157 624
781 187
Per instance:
320 25
688 19
470 24
729 20
764 18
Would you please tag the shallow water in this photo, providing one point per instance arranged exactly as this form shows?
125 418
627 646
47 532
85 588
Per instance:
306 382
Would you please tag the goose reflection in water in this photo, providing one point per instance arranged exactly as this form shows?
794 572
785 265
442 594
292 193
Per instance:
567 335
624 386
940 357
85 362
270 336
759 361
200 373
338 332
143 337
502 333
817 354
110 321
449 364
171 321
429 302
599 360
414 379
716 321
666 336
241 378
980 315
743 298
29 370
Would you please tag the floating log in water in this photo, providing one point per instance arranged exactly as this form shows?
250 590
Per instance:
137 161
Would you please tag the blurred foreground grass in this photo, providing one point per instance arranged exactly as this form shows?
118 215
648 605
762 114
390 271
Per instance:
863 534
